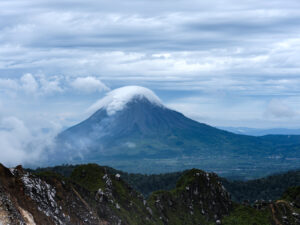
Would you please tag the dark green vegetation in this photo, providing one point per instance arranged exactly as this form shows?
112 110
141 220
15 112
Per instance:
279 212
64 170
195 198
268 188
143 183
293 195
246 215
148 138
108 189
146 184
198 197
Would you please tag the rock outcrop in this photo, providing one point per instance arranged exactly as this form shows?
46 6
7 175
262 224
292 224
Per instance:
29 199
199 198
94 196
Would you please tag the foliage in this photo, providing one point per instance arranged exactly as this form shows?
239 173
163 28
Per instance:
89 176
64 170
292 193
268 188
171 188
245 215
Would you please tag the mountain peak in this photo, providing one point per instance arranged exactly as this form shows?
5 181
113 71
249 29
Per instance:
117 99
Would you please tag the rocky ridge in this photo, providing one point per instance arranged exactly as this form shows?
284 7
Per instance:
93 195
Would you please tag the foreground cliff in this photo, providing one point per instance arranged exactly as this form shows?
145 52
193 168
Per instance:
28 199
93 195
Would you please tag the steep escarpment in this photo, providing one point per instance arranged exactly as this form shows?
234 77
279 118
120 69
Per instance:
199 198
94 195
113 199
29 199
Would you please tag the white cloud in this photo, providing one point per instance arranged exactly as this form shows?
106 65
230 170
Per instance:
50 85
279 109
29 83
26 144
9 87
117 99
14 139
89 84
8 84
213 49
216 110
32 84
240 111
130 144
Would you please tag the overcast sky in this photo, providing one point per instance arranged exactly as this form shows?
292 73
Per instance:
225 63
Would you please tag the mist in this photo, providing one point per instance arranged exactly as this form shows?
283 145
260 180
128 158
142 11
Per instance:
23 144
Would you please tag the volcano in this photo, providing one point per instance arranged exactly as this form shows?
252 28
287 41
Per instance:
132 130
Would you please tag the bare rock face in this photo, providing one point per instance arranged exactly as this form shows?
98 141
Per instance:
198 194
114 200
94 196
27 199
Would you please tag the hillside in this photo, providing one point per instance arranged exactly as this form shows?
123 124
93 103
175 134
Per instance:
133 131
93 195
268 188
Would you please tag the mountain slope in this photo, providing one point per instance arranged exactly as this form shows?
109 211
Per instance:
92 195
268 188
28 199
133 131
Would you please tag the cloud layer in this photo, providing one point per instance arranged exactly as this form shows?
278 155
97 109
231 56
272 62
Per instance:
19 145
248 47
233 63
89 84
